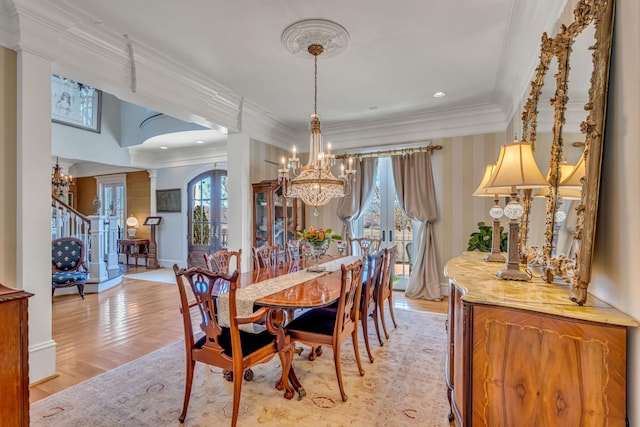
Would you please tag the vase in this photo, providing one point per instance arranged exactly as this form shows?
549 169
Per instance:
316 251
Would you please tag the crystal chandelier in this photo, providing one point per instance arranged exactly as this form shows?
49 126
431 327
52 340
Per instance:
315 184
59 181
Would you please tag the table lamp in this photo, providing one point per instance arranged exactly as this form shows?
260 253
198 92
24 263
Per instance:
132 226
495 212
517 169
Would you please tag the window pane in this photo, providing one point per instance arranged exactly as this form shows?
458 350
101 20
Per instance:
206 188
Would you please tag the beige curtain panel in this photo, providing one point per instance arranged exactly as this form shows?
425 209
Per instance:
352 206
413 178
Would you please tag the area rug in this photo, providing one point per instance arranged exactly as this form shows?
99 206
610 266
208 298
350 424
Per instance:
404 386
163 275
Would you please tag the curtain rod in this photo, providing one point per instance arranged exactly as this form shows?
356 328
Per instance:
390 152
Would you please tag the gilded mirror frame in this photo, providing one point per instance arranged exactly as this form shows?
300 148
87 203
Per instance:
599 13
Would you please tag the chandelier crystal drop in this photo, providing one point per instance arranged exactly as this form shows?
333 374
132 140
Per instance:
315 184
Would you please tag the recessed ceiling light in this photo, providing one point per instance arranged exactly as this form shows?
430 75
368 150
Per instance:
439 94
164 147
199 141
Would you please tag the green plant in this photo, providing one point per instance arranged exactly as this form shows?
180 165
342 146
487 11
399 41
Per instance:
481 240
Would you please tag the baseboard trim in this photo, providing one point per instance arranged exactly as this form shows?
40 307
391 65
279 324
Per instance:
42 361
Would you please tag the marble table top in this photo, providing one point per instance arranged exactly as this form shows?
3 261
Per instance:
479 284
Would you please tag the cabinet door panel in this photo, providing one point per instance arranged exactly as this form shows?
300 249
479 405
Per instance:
533 369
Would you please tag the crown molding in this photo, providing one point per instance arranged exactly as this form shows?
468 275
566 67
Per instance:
214 153
456 122
82 49
75 43
263 126
9 24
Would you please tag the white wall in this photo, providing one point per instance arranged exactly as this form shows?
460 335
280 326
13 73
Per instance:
615 272
172 231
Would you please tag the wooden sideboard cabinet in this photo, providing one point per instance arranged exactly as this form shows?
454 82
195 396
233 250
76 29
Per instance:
522 354
14 357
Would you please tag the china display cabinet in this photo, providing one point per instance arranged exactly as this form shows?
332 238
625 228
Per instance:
276 218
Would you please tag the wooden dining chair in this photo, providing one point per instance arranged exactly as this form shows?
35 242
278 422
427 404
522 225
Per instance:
295 255
228 348
368 303
266 256
362 246
330 327
220 261
386 287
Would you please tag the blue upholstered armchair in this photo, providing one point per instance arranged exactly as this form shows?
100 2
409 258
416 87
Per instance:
68 267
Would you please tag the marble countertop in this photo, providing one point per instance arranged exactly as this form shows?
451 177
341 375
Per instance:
479 284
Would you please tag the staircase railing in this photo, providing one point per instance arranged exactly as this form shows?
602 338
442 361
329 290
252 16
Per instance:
68 222
98 233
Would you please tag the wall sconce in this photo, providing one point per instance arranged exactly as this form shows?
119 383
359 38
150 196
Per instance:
132 226
516 169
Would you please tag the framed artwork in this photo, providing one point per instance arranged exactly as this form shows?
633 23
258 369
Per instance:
153 220
168 200
75 104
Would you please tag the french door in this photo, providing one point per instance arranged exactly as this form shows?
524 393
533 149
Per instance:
208 204
383 219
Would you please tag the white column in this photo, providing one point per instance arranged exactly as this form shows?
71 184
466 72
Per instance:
240 194
112 250
153 184
97 267
33 207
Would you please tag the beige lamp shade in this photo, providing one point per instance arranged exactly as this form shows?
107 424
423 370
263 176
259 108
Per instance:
132 225
516 168
132 222
572 180
483 192
566 193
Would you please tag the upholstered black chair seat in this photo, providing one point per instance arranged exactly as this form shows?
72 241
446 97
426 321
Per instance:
249 342
319 320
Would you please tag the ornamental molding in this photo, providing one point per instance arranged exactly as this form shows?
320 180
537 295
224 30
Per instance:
84 50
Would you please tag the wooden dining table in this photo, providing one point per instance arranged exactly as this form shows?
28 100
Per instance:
283 289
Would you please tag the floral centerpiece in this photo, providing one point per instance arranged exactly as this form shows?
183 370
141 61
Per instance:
316 244
318 237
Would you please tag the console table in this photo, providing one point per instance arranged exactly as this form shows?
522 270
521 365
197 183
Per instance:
523 351
136 248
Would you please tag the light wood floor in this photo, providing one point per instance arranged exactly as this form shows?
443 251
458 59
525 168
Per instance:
137 317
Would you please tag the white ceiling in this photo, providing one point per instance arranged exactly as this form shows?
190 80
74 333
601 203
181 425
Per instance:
221 64
400 52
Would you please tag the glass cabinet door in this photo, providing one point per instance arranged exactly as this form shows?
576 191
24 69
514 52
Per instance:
261 209
291 221
279 219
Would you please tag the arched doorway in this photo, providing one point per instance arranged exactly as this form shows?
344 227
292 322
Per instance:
208 203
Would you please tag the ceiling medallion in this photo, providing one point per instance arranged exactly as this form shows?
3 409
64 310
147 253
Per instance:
332 36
